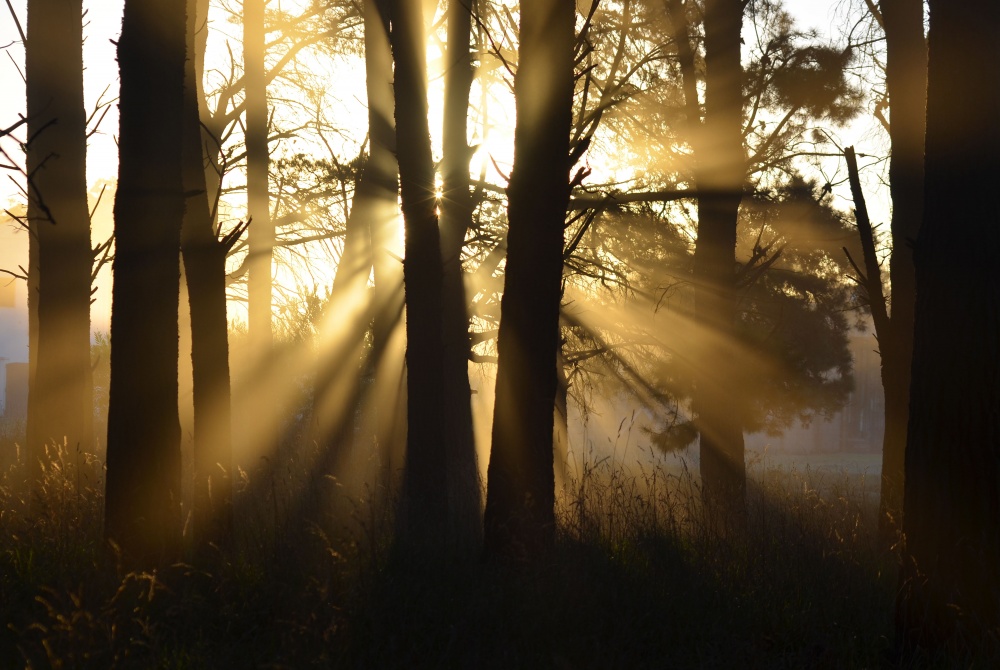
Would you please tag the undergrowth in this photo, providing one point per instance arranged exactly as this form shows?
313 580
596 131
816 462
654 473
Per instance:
637 579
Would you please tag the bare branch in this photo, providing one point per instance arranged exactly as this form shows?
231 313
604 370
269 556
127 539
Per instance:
873 279
17 22
104 250
9 129
14 274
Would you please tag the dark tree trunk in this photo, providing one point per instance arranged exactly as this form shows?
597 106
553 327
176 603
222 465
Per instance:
143 462
456 219
205 269
378 187
210 132
425 494
375 196
680 22
376 210
720 173
871 279
906 82
340 390
60 394
261 231
950 587
381 188
519 520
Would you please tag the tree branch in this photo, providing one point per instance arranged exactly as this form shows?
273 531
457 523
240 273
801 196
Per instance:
872 279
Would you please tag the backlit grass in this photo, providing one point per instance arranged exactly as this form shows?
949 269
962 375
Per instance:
638 578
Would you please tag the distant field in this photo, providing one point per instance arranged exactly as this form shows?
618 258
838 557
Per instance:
849 463
852 476
855 476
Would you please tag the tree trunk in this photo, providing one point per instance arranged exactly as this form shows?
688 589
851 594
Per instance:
425 495
143 462
906 83
61 395
209 131
205 269
519 520
720 173
261 231
950 588
456 219
341 389
375 197
381 183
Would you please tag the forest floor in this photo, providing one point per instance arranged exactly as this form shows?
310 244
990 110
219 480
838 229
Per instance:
638 579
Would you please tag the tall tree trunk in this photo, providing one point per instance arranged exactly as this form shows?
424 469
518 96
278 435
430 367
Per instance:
211 133
205 269
381 183
341 389
456 219
261 232
949 600
375 199
720 173
425 496
61 393
143 461
906 82
519 519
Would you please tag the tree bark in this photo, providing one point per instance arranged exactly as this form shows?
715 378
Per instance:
949 585
205 269
456 219
425 493
340 390
720 174
261 231
60 400
906 83
143 461
519 519
381 182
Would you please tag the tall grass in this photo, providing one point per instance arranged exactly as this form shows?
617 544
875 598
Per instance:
638 578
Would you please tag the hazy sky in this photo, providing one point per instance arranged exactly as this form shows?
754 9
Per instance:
103 24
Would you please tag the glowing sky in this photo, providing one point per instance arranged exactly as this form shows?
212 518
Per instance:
103 24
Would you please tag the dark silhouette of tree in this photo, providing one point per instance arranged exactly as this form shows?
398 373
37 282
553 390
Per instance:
261 231
906 86
519 517
791 325
456 220
60 399
204 257
354 357
380 185
375 203
425 495
382 178
948 601
301 218
284 70
292 38
719 176
737 147
143 461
